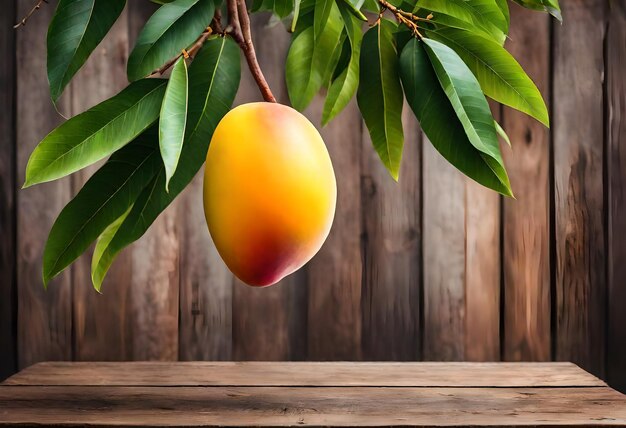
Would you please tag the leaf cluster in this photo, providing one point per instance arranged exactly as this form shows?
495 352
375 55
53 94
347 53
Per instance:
443 57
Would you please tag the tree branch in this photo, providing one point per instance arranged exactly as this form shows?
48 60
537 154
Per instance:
248 50
28 15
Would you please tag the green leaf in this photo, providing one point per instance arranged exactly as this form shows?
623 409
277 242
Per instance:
77 27
280 8
213 82
102 243
311 62
105 196
320 16
504 8
354 9
173 119
380 95
499 74
345 85
550 6
96 133
173 27
296 14
502 133
440 122
491 12
469 12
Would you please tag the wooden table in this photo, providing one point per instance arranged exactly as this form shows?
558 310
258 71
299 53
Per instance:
317 394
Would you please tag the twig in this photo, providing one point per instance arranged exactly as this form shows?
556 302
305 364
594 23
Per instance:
248 50
191 52
402 16
28 15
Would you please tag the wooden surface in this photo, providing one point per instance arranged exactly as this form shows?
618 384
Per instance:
8 185
616 129
310 394
580 216
432 268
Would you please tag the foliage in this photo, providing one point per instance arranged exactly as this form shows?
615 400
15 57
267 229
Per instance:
443 57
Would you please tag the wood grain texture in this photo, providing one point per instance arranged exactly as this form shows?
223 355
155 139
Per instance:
44 317
616 162
400 374
444 258
578 177
155 262
269 323
290 406
482 269
100 321
526 220
8 186
392 251
335 273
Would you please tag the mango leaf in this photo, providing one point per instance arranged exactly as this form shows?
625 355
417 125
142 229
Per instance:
354 8
468 12
380 95
173 27
469 104
499 74
320 16
442 20
280 8
173 119
502 133
105 196
491 12
296 14
440 122
504 8
550 6
213 82
311 62
96 133
77 27
103 242
345 85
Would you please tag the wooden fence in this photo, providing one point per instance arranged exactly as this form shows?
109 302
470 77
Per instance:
433 268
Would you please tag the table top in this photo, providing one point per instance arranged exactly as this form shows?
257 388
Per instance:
308 394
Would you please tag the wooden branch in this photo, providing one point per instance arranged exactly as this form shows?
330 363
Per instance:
29 14
248 50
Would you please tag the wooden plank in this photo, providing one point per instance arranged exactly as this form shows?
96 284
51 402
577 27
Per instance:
236 406
482 269
101 320
155 259
44 317
392 251
578 177
8 79
526 220
401 374
335 273
616 156
444 258
269 323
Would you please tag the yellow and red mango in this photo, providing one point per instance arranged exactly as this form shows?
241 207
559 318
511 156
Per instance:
269 191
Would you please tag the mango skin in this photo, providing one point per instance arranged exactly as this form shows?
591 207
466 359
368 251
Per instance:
269 191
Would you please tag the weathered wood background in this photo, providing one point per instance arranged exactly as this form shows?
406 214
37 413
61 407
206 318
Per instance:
433 268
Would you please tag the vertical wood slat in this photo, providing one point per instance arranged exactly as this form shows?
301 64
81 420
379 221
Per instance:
8 77
526 220
268 323
392 251
482 269
578 175
616 162
335 273
444 258
100 321
44 317
155 262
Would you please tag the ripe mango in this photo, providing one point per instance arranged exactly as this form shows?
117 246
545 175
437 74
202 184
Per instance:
269 191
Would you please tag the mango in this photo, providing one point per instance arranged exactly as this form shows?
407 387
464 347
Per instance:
269 191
